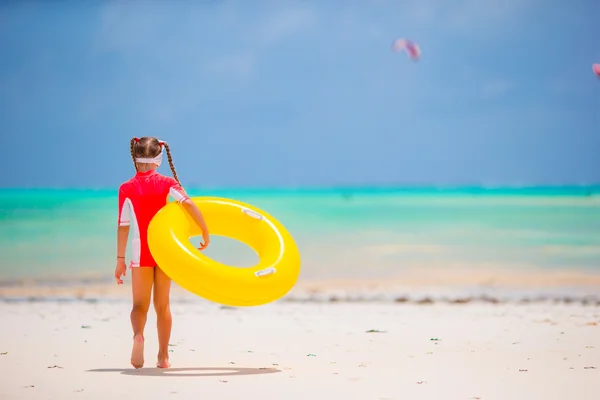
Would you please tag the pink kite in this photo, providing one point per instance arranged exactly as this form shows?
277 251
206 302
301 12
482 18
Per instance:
596 69
412 49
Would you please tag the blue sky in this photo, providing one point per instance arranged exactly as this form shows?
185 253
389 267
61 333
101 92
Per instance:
302 93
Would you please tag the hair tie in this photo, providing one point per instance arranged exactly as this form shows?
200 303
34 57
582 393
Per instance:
161 143
137 139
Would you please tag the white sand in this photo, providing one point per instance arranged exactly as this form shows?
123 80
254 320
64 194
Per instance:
484 351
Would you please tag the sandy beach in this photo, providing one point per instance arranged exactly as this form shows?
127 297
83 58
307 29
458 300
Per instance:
78 349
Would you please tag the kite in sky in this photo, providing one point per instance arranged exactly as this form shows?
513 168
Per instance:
409 47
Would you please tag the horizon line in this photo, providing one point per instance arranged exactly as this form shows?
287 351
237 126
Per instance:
355 187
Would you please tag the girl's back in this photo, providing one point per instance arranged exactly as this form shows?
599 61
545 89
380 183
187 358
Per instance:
140 198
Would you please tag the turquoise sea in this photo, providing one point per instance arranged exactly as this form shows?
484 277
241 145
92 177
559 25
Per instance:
375 233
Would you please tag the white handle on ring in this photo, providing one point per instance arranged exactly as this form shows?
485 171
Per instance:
264 272
252 214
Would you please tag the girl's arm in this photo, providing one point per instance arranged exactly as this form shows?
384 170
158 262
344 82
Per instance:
196 214
122 235
179 194
123 222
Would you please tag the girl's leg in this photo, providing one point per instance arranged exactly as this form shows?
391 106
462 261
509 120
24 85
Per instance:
162 289
141 283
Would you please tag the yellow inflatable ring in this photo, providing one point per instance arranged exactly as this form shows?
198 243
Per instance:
279 260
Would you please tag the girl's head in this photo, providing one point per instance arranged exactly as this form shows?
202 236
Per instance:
146 153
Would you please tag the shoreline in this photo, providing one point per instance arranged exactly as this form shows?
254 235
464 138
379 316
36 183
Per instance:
411 287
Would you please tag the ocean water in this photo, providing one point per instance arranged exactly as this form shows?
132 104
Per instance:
373 233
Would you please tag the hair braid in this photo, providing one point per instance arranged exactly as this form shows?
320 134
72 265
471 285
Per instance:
131 149
171 161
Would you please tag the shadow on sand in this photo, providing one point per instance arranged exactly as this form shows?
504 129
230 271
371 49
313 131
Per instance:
189 372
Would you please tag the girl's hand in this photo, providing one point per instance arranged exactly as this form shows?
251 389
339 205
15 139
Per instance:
120 270
206 239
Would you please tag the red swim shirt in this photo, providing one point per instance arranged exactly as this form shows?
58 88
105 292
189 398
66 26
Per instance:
140 198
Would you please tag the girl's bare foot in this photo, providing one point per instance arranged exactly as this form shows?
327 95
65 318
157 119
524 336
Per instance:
137 353
163 361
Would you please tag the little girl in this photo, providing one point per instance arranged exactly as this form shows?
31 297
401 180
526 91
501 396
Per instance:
140 198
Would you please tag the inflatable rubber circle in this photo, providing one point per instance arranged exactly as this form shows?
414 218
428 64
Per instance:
270 279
